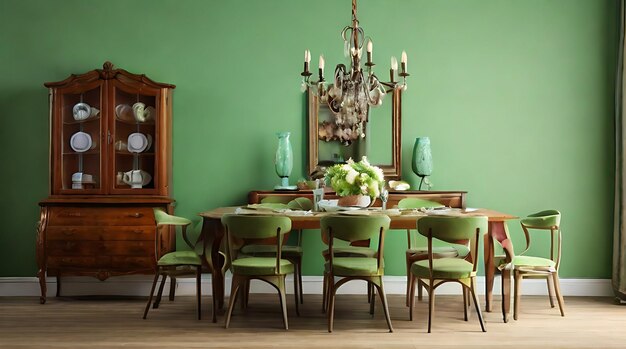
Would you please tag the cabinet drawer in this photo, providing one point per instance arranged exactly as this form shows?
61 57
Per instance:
132 262
94 248
101 233
79 262
101 216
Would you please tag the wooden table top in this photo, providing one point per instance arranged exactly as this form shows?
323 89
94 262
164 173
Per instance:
403 219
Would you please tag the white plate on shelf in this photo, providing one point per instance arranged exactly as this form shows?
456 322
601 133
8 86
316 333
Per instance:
137 142
80 142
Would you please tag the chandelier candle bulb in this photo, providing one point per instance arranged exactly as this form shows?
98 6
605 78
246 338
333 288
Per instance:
307 60
321 64
394 67
403 61
369 51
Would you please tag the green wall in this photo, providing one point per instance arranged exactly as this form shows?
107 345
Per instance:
516 97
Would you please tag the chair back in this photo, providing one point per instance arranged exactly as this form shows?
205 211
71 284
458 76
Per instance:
547 220
453 230
163 219
408 203
415 203
242 230
355 228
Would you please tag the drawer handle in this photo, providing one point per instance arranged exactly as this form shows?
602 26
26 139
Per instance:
69 232
72 214
136 215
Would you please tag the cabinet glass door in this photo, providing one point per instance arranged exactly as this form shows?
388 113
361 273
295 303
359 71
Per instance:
80 148
134 131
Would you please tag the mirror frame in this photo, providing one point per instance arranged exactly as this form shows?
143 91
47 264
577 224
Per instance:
391 171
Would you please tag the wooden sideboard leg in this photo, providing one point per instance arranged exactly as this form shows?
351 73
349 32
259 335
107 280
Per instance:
41 253
41 274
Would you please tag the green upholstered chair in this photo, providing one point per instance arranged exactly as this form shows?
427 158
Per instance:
177 263
441 270
243 230
292 253
354 228
525 266
360 248
416 253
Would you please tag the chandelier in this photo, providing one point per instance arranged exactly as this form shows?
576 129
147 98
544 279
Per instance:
351 92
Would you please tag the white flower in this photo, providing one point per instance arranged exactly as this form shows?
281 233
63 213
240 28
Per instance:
379 174
347 168
364 161
350 161
364 189
351 176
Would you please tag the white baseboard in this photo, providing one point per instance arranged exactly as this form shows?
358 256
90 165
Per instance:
140 286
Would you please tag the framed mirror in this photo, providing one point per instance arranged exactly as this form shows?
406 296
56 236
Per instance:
381 142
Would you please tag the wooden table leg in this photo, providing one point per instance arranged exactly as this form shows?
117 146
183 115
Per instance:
506 294
213 232
498 232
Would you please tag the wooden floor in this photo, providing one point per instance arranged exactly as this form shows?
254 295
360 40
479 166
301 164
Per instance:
107 323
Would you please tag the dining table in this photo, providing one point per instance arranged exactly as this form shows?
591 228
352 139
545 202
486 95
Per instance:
212 236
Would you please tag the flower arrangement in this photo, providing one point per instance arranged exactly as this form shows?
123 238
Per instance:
356 178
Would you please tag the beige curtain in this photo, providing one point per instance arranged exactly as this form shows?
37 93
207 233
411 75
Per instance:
619 240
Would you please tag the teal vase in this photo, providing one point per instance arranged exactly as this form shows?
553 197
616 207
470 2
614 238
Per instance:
284 161
422 163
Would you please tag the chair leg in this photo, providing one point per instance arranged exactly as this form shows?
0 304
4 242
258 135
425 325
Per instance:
324 293
550 290
383 299
145 312
214 300
506 294
296 293
557 289
172 288
420 288
372 299
299 267
517 277
409 276
369 293
331 303
245 293
157 301
58 284
199 291
476 305
411 303
283 301
464 302
233 297
431 304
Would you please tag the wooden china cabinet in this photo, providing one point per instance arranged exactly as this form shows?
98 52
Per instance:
110 165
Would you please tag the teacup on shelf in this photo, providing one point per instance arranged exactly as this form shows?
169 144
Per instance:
82 111
124 112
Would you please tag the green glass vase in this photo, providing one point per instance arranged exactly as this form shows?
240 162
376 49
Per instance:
422 163
284 161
